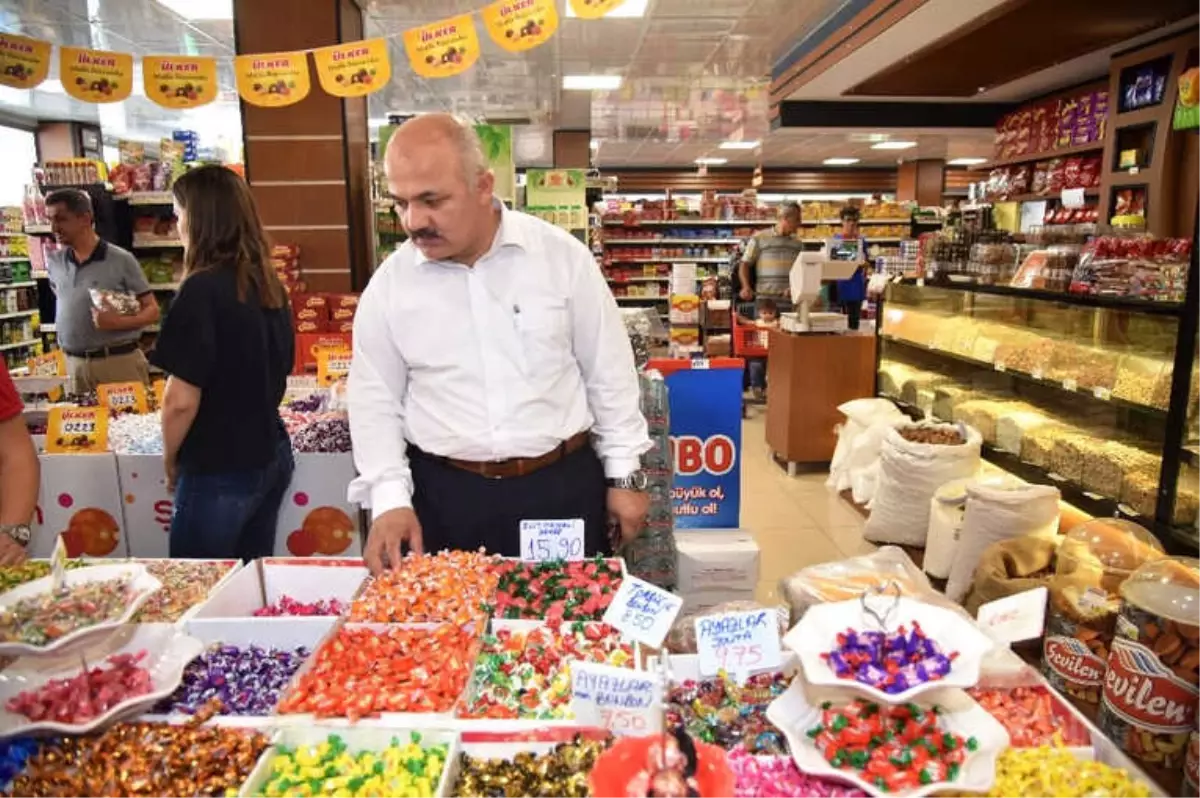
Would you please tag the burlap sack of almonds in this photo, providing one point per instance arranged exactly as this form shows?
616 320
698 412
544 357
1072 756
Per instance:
1010 567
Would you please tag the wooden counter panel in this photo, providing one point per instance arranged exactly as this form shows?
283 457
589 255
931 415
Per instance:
808 376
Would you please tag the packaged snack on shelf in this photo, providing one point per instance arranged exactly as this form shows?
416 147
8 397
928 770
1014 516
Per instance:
987 341
1012 425
1067 456
916 382
1093 561
982 414
1136 379
1152 690
1139 490
1037 444
947 397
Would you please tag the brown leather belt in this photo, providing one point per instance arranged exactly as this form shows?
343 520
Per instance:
519 466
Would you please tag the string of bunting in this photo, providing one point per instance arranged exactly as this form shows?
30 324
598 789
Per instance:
440 49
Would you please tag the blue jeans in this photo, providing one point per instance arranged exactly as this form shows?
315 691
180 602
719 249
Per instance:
757 367
231 514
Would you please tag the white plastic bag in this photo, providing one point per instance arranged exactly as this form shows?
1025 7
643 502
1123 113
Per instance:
909 474
998 510
862 416
863 483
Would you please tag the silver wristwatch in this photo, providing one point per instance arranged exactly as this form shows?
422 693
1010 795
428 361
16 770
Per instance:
18 532
635 481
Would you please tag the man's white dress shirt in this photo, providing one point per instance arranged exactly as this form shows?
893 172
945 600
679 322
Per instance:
508 358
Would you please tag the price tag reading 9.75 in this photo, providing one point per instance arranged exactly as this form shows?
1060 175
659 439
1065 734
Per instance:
738 642
552 540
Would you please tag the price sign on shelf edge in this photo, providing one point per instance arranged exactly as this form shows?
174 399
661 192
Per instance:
77 429
622 700
643 612
738 642
552 540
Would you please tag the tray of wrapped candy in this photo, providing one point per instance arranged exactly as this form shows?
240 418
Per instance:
891 654
92 602
915 748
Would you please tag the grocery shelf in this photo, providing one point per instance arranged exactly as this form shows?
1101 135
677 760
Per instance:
164 286
1087 192
27 284
156 243
639 279
660 298
1098 395
17 314
47 328
12 234
1191 454
15 259
861 221
1091 503
689 222
693 241
19 344
147 198
37 229
671 260
1082 300
40 274
1063 152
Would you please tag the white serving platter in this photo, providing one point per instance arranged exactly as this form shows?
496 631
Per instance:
816 634
167 653
143 584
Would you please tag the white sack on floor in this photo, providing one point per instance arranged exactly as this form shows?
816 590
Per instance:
998 510
862 416
909 474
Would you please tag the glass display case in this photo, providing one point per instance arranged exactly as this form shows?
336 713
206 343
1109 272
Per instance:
1071 390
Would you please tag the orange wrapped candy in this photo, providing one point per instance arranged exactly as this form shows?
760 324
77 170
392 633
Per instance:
447 587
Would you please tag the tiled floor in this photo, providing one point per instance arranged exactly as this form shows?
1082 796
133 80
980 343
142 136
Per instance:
797 521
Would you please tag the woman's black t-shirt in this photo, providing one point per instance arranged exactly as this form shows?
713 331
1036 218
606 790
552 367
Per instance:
238 354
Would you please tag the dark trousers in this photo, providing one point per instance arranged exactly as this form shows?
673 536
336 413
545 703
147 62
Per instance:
853 312
230 513
461 510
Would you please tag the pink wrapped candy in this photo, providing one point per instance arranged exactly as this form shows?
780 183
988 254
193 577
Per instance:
764 776
89 695
288 606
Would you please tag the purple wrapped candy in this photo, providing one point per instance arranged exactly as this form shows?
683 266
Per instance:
247 681
892 662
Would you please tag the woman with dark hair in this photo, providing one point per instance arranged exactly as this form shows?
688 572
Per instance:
227 345
850 293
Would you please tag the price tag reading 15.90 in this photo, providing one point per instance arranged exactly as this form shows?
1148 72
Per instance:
552 540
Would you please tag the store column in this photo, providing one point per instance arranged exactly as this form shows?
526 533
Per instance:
308 163
921 181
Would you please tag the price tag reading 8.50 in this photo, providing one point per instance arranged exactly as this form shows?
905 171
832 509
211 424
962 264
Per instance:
552 540
643 612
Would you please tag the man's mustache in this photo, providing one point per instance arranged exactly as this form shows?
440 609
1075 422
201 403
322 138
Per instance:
424 233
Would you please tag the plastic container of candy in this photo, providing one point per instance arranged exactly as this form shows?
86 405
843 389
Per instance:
141 585
800 709
265 633
167 652
305 579
942 647
357 741
551 760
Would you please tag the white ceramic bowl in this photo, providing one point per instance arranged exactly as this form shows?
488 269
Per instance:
799 709
817 632
143 585
167 653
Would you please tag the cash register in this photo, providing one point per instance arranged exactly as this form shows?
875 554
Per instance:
836 260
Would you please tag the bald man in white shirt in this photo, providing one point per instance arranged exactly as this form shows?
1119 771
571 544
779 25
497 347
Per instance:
492 379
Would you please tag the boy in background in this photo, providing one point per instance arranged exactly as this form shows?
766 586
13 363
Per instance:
767 317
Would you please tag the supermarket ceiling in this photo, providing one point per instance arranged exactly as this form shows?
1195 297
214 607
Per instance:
695 72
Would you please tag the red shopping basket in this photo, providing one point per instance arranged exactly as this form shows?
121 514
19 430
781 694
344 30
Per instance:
749 340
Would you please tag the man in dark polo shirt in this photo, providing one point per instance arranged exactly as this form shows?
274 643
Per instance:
101 345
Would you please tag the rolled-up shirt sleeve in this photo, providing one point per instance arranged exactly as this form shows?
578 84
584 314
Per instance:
605 360
377 384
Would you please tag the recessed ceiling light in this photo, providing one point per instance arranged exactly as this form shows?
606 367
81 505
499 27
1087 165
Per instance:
738 145
894 145
710 161
966 161
592 82
196 10
627 10
840 161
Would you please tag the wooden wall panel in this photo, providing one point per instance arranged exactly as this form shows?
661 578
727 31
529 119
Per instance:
302 205
572 149
290 160
357 162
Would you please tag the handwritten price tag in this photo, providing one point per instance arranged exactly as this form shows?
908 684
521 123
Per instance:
1102 393
738 642
552 540
643 612
77 429
700 363
621 700
123 397
1070 385
1015 618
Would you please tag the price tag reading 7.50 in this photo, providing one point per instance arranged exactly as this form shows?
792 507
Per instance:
642 611
622 700
552 540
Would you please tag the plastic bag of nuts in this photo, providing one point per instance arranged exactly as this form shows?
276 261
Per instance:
1152 685
1093 560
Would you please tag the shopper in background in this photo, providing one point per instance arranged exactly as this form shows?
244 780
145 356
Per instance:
850 293
19 473
756 367
490 348
101 345
227 346
771 254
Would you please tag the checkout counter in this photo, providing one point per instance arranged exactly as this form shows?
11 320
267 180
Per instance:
815 364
